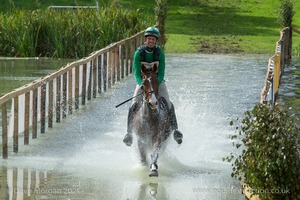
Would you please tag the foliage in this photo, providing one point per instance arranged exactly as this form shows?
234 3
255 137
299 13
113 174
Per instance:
66 33
270 159
286 13
161 11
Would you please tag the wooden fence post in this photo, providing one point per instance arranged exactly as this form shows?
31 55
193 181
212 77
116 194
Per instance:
109 69
95 63
50 106
58 98
89 96
16 124
117 63
4 130
43 108
122 60
34 113
77 87
100 74
104 72
70 91
26 118
127 58
83 94
64 92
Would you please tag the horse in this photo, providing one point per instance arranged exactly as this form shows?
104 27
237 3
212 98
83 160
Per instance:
151 123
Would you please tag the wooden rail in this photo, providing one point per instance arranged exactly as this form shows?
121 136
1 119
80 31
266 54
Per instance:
56 95
275 68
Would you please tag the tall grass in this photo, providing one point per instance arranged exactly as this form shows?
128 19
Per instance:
66 33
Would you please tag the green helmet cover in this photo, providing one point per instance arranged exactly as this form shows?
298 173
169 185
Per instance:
152 31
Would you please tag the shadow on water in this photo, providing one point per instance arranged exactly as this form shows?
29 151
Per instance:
84 157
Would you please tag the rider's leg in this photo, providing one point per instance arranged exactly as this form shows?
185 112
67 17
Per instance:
177 134
173 121
128 137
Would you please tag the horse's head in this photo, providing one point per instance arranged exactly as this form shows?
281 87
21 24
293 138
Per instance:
150 84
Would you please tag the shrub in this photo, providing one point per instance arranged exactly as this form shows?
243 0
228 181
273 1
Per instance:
270 158
66 33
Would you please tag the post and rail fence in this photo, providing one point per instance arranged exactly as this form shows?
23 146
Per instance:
57 95
269 93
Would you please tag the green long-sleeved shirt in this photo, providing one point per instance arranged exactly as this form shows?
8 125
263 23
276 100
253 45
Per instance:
149 58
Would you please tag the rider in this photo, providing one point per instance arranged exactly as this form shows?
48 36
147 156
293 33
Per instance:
150 52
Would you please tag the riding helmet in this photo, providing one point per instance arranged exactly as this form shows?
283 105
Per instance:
152 31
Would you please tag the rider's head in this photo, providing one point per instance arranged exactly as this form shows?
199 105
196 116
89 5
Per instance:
151 36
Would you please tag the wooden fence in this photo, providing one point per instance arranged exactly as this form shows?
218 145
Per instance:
275 68
58 94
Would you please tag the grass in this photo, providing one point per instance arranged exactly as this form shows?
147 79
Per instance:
227 26
207 26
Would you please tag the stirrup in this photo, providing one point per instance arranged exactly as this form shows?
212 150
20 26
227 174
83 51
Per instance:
128 139
177 136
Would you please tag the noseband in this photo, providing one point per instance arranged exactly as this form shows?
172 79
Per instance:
152 102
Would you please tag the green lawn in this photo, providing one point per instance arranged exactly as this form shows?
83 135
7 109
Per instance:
225 26
206 26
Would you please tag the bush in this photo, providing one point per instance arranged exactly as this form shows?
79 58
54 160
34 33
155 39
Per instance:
270 158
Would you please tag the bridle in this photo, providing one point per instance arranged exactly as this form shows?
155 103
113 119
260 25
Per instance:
153 101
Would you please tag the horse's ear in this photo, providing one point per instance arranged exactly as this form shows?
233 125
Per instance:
143 69
155 68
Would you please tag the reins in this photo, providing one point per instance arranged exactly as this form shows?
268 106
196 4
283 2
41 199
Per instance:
129 99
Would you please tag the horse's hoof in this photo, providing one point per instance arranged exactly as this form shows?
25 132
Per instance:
153 170
153 173
178 136
128 139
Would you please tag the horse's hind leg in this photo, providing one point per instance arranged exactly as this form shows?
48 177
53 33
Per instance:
142 151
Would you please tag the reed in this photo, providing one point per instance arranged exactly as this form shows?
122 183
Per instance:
66 33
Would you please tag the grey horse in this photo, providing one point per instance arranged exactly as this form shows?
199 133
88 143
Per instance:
151 122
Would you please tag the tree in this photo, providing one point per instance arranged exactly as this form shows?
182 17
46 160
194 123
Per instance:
161 11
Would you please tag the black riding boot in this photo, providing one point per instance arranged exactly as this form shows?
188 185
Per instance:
177 134
128 137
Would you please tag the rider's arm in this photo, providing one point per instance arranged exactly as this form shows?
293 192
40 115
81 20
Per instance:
137 68
161 68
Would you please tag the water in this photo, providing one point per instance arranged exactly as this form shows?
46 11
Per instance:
15 72
289 86
84 157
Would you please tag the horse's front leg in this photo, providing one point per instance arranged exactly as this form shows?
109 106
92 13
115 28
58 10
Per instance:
154 157
142 151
